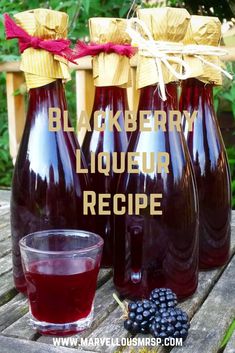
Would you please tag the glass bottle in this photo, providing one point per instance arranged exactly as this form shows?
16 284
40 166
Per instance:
211 168
47 192
158 251
109 98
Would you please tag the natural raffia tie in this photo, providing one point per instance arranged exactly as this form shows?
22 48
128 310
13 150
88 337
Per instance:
159 50
150 48
55 46
82 49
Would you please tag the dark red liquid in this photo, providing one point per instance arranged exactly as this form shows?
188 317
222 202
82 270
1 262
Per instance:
46 190
106 99
61 290
211 168
159 251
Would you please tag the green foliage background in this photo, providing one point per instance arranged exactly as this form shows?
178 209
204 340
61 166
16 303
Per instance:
79 11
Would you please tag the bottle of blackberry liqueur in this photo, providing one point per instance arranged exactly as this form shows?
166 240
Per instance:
159 250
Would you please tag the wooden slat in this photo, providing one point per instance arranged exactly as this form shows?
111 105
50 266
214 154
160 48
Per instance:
21 328
5 264
7 290
5 195
104 276
5 246
5 223
4 209
13 66
14 345
112 327
85 63
12 310
16 111
230 348
84 95
233 219
214 317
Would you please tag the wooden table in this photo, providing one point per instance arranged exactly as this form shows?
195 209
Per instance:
211 309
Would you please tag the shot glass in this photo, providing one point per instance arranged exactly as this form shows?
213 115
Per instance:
61 269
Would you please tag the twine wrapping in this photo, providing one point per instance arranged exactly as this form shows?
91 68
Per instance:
160 50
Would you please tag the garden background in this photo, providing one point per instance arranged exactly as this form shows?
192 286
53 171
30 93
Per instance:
79 12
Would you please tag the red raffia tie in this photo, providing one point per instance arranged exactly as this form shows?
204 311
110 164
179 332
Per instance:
82 49
55 46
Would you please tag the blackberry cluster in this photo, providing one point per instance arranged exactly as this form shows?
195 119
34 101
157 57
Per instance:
170 323
158 316
140 315
164 298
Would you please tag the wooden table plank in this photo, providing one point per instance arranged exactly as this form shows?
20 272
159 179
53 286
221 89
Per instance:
5 264
5 222
7 290
5 233
112 327
230 348
5 247
14 345
21 328
5 195
215 315
12 310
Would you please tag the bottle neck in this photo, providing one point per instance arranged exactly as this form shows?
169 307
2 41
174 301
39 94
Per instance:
112 97
195 93
51 95
150 98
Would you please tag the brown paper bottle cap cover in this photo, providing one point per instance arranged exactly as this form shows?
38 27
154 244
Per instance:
110 69
40 66
204 30
165 25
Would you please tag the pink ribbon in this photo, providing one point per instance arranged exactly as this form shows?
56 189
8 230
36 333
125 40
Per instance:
82 49
55 46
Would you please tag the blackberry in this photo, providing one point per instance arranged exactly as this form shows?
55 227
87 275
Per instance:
164 298
140 315
170 323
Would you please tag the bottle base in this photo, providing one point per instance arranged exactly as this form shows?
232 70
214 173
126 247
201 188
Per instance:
212 264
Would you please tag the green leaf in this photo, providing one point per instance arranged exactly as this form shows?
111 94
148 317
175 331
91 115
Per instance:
216 104
86 5
228 96
233 109
123 10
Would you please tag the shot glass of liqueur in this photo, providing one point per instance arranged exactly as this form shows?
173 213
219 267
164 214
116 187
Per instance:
61 269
